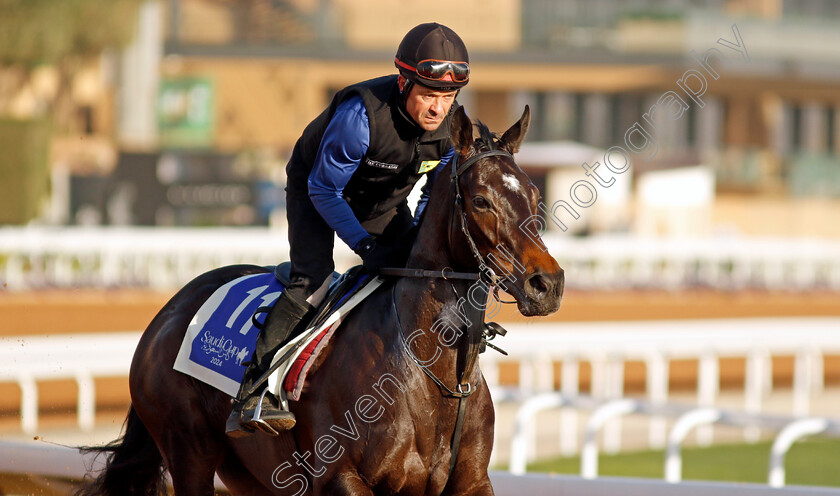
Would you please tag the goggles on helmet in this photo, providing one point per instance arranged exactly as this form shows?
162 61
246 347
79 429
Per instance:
436 70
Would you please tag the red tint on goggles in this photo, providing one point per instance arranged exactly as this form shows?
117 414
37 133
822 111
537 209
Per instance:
436 70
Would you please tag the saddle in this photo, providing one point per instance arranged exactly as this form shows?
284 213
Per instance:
220 336
293 360
342 287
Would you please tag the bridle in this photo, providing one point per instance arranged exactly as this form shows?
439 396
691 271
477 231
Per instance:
446 273
478 333
457 171
483 281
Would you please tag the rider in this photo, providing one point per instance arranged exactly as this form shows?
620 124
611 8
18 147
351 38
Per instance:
350 174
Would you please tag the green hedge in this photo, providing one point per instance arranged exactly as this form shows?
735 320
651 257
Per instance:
24 169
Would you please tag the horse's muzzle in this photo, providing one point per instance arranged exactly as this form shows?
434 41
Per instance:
544 292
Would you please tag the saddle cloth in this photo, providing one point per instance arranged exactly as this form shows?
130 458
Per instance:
222 334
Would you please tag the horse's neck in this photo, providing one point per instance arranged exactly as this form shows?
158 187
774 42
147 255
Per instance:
432 248
433 312
435 306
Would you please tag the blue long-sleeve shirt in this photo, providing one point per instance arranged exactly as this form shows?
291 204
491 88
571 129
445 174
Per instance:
344 144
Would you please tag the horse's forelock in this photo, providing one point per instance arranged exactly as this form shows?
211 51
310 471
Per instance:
487 140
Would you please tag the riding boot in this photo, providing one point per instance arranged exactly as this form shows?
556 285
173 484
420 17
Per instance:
282 320
233 426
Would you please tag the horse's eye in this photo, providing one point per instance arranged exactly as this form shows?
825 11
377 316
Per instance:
480 202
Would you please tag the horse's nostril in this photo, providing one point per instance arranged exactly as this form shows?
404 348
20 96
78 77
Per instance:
538 283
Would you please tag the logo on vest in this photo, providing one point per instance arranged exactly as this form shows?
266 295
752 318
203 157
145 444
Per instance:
427 165
381 165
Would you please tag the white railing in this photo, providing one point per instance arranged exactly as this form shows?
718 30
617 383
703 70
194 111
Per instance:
26 360
160 258
166 258
534 349
789 430
726 263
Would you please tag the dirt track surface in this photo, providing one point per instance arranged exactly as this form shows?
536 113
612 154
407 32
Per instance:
83 311
77 311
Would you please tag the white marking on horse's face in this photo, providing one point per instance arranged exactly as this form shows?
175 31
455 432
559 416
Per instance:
511 182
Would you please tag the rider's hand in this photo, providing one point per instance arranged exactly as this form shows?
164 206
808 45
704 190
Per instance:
377 255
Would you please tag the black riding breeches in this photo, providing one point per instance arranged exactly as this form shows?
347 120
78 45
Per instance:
311 241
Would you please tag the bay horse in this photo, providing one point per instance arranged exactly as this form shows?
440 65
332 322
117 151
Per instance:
376 416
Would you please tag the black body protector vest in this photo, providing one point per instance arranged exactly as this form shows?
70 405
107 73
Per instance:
400 152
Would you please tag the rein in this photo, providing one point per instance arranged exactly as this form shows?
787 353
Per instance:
463 390
445 273
478 333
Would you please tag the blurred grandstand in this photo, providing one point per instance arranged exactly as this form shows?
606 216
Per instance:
128 170
191 123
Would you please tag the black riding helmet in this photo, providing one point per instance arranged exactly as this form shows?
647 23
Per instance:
433 55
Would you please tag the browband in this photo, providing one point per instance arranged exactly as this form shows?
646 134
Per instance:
457 171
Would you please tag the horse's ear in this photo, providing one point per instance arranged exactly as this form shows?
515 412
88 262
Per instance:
512 139
461 132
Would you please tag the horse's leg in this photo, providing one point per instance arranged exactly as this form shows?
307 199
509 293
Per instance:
185 419
191 458
238 479
183 415
470 475
180 418
479 484
344 484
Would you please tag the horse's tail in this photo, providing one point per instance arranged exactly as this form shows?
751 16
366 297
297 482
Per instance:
134 465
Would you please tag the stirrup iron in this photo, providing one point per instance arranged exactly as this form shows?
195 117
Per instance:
259 423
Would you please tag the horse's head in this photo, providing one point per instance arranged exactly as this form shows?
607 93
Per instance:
494 216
